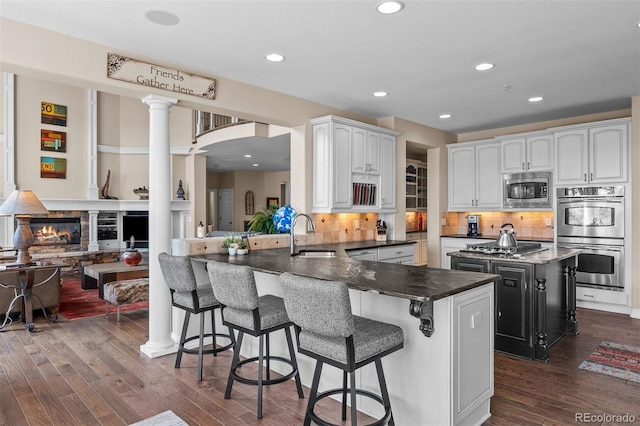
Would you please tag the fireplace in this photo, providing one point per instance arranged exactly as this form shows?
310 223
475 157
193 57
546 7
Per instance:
48 231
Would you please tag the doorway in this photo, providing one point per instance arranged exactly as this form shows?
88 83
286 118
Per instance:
225 207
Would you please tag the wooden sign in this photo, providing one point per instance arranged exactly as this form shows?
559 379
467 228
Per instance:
53 114
144 74
51 167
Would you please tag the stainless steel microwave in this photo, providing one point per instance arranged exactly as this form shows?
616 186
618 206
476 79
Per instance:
528 190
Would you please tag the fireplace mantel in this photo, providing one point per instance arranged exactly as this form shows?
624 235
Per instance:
112 205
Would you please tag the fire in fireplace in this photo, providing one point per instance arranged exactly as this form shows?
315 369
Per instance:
55 231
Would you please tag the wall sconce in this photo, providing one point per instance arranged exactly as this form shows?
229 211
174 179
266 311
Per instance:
22 204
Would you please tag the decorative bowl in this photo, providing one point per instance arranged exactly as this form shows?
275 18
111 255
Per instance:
282 218
131 257
143 193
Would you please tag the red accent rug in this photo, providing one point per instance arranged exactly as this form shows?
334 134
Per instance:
621 361
77 303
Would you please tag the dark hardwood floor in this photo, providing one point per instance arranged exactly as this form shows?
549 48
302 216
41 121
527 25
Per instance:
89 371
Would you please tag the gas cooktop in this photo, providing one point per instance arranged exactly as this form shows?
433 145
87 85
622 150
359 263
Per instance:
492 247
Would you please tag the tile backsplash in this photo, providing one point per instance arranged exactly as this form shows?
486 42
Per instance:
526 224
340 228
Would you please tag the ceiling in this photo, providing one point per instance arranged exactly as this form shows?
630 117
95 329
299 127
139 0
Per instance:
583 57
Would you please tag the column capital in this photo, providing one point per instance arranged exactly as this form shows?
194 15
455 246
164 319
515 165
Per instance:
159 101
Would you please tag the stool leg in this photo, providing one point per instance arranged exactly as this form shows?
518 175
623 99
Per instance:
202 314
384 391
183 336
234 364
106 308
213 331
344 395
260 365
117 313
312 393
268 359
294 362
354 411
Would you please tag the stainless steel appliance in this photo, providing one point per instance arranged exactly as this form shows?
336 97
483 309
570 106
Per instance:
527 190
473 225
592 219
494 248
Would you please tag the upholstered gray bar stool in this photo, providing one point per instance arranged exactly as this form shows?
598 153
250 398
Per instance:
243 310
327 330
186 295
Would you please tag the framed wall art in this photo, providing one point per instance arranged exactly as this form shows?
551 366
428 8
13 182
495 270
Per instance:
54 168
53 114
51 140
272 200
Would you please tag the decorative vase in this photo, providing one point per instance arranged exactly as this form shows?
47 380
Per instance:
143 192
232 251
131 257
242 251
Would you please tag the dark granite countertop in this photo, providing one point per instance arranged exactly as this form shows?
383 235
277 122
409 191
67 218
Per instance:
408 282
541 257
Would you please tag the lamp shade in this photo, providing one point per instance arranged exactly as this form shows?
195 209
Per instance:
22 202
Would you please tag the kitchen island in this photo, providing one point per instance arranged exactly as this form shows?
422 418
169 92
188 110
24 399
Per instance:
444 373
535 297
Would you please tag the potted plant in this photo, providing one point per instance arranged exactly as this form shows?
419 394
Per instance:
226 243
262 221
242 248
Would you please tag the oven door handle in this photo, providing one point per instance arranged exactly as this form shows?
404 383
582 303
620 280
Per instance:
584 200
587 247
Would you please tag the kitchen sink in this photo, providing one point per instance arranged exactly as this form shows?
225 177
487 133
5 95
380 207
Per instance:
316 253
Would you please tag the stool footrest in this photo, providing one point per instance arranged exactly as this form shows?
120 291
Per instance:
248 381
339 391
207 351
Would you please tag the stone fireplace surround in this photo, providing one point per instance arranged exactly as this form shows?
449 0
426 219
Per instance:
88 252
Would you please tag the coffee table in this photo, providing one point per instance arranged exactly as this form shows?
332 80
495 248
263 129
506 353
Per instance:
95 276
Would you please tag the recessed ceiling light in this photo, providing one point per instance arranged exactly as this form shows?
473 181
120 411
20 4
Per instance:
445 116
389 7
274 57
255 164
162 17
247 156
536 99
380 94
484 67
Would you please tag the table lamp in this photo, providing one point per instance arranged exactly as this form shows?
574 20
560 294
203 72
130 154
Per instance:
22 204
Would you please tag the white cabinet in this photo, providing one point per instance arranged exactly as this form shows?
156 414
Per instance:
416 185
595 153
420 247
401 254
366 151
448 245
363 254
474 176
527 153
353 167
107 227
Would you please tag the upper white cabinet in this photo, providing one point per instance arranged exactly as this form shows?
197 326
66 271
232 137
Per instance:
594 153
474 176
354 166
366 151
527 153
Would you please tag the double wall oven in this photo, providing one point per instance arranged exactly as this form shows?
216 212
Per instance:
592 219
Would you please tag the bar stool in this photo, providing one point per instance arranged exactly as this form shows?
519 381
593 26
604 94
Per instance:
186 295
327 331
235 287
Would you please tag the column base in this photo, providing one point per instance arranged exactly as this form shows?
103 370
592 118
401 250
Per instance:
154 350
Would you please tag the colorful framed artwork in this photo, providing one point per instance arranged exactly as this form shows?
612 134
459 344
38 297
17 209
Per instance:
51 140
53 114
55 168
273 200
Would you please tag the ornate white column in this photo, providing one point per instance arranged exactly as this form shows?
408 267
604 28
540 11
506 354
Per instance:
160 341
9 159
92 106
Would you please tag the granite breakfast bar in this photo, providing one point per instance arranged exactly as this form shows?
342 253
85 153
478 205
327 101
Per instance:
444 373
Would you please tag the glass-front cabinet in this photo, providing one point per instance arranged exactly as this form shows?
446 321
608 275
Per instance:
416 185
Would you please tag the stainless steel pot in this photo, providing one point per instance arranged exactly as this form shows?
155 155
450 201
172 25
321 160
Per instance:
507 237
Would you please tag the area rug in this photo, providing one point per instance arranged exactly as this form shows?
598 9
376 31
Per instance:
166 418
77 303
622 361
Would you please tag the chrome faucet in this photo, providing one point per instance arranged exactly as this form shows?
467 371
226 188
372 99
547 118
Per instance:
310 228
